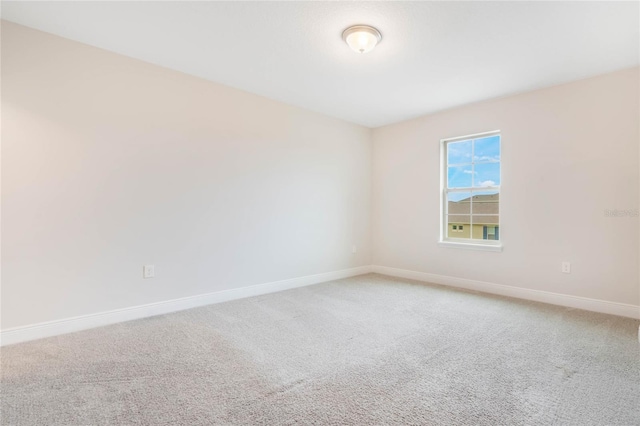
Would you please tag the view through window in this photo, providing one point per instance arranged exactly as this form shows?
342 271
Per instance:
471 209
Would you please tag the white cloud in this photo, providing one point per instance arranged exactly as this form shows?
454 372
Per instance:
487 183
469 172
487 158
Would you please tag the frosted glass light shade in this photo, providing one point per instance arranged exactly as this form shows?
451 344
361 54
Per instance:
361 38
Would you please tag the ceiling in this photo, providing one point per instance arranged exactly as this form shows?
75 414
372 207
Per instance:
433 56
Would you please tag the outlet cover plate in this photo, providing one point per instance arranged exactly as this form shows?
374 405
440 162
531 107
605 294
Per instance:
148 271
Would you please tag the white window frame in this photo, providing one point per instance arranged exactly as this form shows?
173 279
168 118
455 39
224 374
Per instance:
464 243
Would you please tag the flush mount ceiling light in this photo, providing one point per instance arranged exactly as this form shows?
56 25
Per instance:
361 38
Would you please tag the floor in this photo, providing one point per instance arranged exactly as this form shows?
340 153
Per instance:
368 350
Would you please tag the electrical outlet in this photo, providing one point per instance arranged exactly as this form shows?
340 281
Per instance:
566 267
148 271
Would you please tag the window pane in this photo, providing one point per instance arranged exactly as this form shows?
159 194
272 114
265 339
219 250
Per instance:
459 219
485 219
486 202
485 227
487 149
461 222
459 152
459 177
486 174
459 203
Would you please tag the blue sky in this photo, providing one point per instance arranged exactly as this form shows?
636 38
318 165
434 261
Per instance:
482 171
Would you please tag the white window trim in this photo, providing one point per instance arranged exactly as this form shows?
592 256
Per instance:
470 246
464 243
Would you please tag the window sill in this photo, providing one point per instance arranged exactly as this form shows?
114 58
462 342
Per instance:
470 246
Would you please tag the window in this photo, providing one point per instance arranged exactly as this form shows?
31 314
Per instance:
471 191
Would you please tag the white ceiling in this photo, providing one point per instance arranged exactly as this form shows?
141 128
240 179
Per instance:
433 56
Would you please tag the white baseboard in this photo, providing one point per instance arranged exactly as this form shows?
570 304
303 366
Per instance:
603 306
69 325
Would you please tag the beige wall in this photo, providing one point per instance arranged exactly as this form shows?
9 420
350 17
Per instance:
109 163
568 153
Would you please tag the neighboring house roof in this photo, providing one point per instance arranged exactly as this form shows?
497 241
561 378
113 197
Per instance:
483 204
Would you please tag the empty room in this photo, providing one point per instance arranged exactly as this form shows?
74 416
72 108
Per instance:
320 213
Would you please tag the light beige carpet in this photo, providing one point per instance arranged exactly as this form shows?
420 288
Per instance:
370 350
